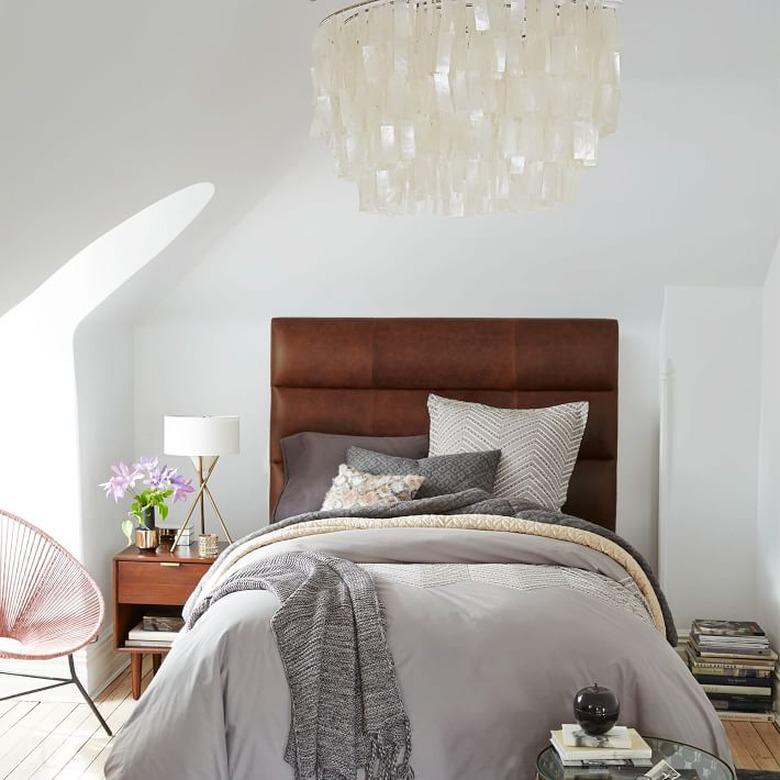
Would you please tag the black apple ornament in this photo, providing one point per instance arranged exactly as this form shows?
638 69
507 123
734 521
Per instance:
596 709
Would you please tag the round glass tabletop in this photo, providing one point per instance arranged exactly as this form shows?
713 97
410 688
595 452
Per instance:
692 764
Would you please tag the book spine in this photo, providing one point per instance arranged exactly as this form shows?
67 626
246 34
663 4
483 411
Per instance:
738 690
152 636
734 672
733 669
756 717
724 703
725 680
728 655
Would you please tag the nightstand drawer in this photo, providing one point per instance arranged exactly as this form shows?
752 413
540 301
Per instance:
155 582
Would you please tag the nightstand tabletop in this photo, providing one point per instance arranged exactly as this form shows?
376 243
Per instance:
163 554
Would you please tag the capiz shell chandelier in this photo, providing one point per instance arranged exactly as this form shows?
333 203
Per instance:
461 107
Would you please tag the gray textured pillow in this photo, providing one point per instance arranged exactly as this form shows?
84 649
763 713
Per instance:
539 447
443 474
311 460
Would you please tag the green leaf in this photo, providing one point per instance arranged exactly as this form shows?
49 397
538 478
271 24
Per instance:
127 529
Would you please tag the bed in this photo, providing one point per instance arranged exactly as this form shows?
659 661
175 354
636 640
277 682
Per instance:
494 617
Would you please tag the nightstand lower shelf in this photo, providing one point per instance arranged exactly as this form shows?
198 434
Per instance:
146 582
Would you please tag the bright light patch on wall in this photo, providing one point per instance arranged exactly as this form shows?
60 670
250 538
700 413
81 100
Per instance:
39 456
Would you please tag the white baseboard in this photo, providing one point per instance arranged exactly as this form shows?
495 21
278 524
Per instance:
96 666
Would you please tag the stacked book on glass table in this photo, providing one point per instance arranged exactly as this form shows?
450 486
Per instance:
735 665
619 747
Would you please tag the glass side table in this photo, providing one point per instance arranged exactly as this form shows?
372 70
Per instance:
692 764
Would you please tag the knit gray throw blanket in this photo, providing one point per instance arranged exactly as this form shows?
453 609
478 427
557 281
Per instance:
347 712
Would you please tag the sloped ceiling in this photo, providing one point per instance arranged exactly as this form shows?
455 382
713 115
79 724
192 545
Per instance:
109 106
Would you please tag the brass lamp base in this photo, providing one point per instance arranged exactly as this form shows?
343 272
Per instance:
200 500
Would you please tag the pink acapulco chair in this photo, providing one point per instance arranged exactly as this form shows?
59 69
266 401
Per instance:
49 605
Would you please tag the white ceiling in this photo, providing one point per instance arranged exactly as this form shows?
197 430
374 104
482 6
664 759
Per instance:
109 106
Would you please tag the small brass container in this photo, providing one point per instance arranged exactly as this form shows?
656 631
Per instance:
146 539
208 545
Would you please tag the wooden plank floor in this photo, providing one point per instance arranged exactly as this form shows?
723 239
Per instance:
41 740
46 740
754 745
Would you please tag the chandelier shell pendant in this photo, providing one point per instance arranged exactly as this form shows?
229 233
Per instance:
466 107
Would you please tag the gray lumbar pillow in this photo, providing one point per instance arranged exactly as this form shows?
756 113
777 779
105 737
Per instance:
312 460
539 447
443 475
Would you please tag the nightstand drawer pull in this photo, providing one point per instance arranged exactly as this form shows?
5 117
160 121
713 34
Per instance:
171 565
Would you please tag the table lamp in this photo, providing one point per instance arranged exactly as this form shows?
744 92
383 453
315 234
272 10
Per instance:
205 440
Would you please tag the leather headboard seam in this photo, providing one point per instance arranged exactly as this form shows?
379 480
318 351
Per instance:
371 377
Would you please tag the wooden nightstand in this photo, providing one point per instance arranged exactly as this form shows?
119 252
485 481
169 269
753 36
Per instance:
144 580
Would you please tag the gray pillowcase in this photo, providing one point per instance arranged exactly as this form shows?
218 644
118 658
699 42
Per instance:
312 460
539 447
444 474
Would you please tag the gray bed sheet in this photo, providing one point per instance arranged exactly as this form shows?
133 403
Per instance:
485 670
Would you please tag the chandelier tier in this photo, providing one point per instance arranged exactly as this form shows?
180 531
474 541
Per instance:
466 107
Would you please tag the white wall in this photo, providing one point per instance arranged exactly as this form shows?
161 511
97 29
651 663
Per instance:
60 433
221 366
216 367
768 560
710 351
192 91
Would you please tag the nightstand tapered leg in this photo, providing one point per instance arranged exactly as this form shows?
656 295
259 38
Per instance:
136 660
156 661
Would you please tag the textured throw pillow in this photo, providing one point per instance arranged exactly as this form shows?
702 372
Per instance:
539 447
352 489
311 460
443 474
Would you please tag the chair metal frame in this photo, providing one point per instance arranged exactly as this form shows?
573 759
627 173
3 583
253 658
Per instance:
58 682
49 603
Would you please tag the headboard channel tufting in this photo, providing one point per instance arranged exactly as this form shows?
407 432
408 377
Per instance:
371 377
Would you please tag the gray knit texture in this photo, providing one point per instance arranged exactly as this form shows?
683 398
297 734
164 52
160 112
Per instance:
347 711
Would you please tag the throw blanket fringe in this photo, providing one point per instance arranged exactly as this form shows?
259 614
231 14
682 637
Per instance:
347 711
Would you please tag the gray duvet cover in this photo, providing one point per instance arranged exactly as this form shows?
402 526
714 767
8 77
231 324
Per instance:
492 632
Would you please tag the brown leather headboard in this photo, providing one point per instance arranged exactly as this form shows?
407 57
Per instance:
371 377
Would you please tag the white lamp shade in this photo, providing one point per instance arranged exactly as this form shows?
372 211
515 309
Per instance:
201 436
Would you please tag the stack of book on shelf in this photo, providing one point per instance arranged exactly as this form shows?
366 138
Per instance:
155 631
735 665
619 747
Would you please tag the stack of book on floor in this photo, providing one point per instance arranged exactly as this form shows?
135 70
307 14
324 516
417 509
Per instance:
619 747
735 665
155 631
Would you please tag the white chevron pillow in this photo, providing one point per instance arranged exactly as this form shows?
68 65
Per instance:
538 446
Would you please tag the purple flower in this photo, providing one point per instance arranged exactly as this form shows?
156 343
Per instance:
148 465
123 480
161 483
181 487
155 478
